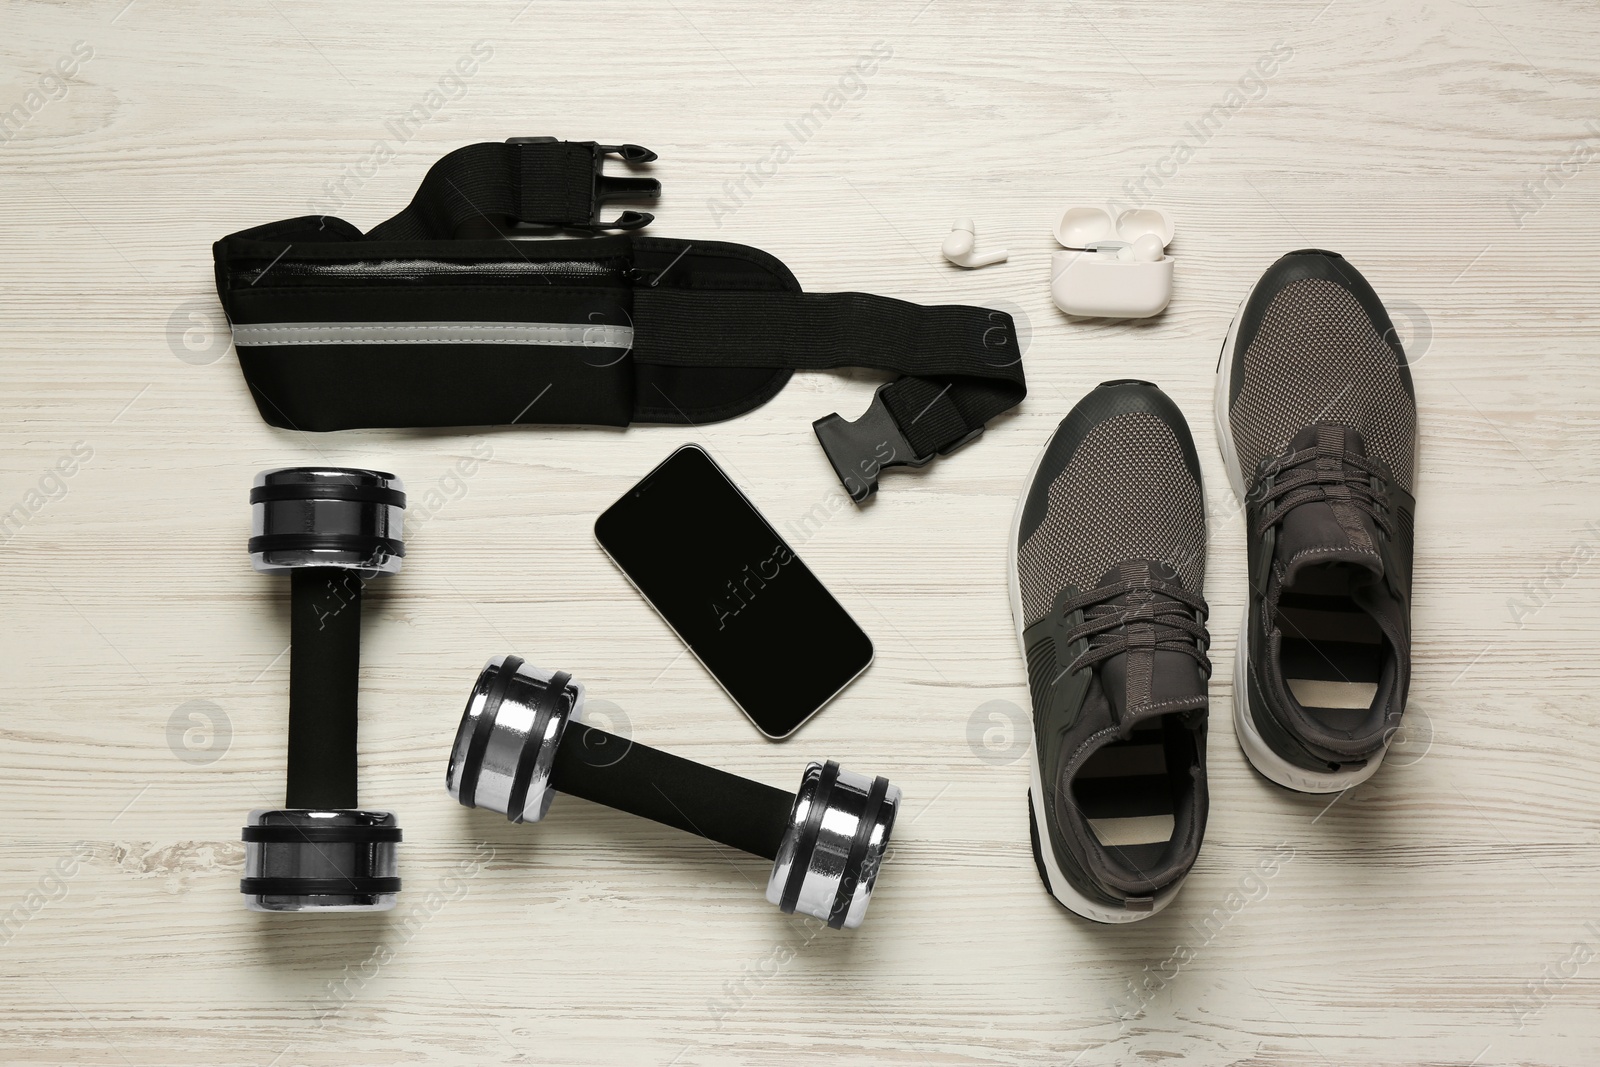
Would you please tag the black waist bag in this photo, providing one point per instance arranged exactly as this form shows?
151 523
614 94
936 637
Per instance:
443 316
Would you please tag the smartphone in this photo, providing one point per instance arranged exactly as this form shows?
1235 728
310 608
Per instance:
748 608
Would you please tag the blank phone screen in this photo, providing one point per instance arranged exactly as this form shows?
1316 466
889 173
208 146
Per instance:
736 594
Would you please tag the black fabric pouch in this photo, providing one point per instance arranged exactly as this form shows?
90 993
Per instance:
448 315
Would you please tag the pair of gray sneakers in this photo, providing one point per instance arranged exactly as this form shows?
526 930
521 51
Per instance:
1316 419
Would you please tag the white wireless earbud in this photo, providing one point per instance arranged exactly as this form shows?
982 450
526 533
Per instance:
1148 249
957 247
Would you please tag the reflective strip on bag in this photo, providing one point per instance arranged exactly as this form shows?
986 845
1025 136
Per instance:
564 334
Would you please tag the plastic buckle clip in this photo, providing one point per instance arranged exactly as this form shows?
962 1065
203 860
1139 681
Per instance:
612 187
860 450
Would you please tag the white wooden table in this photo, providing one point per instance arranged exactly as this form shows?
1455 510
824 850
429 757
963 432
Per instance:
1448 912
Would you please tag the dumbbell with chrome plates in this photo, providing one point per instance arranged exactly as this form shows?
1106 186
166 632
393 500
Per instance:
521 741
331 529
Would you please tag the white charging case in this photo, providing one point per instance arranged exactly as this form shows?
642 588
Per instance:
1097 275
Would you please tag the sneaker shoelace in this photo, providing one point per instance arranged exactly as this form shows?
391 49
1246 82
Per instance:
1153 615
1356 480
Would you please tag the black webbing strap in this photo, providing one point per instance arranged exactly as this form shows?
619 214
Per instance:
962 365
486 188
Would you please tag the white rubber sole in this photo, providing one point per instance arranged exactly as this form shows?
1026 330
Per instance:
1060 887
1255 748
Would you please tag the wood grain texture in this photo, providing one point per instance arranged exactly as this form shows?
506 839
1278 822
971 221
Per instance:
1445 913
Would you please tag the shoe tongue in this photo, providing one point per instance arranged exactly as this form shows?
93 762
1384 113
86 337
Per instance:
1327 531
1142 679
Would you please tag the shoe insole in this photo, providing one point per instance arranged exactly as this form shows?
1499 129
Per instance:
1333 696
1333 651
1124 793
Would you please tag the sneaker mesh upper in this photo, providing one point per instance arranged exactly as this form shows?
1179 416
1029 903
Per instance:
1316 357
1125 494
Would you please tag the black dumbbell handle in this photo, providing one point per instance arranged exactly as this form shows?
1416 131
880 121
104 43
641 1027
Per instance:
622 774
324 678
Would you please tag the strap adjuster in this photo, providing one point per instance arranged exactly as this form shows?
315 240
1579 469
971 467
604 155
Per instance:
608 187
860 450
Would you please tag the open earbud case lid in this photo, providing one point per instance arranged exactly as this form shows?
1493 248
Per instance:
1085 227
